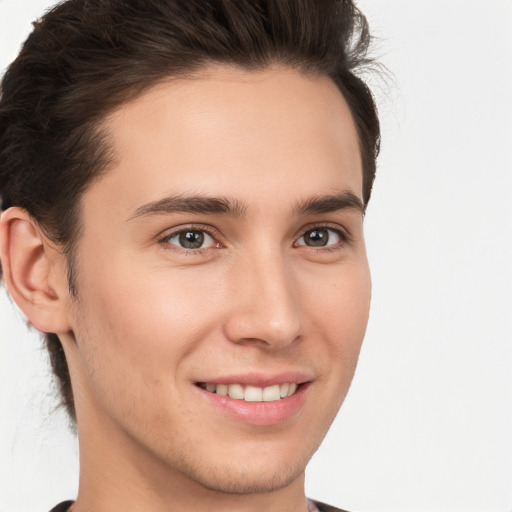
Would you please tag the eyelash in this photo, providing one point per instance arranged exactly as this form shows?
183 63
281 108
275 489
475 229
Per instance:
343 235
164 240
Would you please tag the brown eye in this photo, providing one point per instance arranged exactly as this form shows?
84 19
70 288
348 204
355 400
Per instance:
320 237
191 239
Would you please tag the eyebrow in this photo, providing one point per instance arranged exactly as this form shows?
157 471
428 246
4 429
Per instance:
331 203
232 207
191 204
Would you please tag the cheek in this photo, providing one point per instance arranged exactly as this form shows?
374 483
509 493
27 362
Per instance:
340 305
354 305
142 326
143 314
339 310
134 336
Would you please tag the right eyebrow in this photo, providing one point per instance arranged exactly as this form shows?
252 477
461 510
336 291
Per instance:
190 204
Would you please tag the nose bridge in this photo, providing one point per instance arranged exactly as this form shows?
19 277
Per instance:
265 304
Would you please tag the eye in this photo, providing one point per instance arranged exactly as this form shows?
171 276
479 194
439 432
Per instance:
191 239
321 237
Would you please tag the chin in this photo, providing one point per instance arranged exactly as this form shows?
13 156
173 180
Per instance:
250 481
263 475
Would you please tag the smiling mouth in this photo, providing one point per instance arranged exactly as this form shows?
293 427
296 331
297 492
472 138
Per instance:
252 393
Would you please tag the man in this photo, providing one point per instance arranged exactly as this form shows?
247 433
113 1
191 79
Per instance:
183 187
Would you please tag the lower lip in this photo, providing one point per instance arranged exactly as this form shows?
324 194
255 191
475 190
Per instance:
258 413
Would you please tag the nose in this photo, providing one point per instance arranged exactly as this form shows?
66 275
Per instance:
264 304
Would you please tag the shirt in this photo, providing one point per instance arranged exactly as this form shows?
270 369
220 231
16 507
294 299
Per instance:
313 506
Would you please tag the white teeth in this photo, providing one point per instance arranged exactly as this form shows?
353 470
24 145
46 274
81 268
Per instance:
292 389
272 393
222 389
252 393
236 391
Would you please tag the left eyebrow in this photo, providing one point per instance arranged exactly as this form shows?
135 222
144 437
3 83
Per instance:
331 203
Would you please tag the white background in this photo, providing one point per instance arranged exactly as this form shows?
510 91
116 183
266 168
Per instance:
427 425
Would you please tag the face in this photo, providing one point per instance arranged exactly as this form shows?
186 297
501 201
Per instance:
222 268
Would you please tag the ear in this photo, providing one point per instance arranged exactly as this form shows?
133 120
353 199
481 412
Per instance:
35 272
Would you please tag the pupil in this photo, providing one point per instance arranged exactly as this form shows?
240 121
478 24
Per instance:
191 239
317 237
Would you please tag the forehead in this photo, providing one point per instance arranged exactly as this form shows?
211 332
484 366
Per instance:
227 128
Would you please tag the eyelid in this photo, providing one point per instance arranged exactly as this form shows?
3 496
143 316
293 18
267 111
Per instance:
164 237
342 231
168 232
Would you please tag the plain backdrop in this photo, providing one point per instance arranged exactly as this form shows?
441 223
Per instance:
427 425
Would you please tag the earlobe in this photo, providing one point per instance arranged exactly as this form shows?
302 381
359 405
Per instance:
27 268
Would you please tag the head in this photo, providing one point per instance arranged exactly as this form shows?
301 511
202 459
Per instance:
92 71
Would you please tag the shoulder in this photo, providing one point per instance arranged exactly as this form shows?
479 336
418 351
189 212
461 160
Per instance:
323 507
62 507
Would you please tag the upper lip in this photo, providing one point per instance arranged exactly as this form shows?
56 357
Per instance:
260 379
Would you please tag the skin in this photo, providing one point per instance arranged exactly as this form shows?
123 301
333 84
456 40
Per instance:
152 318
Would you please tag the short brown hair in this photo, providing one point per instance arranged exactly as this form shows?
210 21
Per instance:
85 58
